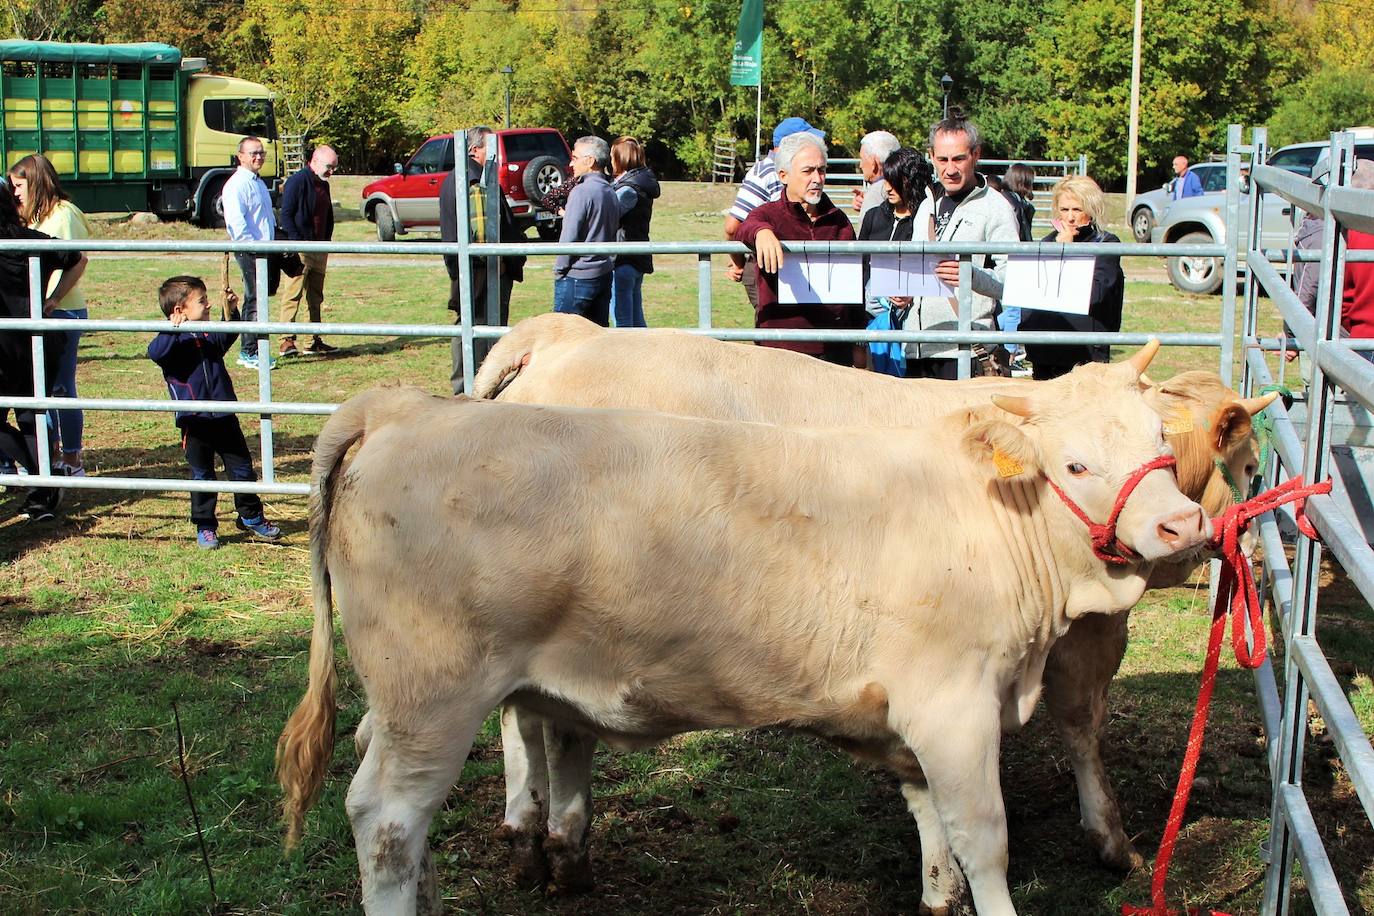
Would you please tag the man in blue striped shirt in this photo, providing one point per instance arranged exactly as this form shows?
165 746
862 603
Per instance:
761 185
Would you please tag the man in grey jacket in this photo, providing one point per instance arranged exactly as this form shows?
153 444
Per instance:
582 283
967 211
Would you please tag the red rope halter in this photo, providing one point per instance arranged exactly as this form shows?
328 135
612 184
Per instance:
1236 592
1106 545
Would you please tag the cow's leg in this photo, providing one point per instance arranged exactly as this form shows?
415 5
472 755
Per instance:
403 778
942 883
957 744
362 735
527 795
570 753
1078 673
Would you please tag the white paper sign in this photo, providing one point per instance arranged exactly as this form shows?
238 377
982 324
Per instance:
905 275
836 279
1051 284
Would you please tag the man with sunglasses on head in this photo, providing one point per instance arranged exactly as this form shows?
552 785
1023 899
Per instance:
248 217
307 215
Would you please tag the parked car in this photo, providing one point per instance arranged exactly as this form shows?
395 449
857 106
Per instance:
1201 220
1148 209
530 162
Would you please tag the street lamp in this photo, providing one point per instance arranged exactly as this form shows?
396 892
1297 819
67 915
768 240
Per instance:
946 83
508 70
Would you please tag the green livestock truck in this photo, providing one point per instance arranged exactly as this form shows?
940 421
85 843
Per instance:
132 127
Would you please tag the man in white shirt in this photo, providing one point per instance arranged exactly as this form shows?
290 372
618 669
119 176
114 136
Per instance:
248 217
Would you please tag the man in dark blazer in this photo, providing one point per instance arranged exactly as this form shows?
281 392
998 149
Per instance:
307 215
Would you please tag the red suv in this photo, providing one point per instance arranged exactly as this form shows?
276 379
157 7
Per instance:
530 162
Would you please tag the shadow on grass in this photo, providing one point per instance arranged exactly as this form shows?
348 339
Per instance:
762 821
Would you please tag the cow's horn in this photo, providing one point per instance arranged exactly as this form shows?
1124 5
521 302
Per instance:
1255 405
1143 357
1011 404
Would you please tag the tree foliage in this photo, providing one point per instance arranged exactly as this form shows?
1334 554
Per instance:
1042 77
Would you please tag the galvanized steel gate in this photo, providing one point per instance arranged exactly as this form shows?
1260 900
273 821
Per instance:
1306 672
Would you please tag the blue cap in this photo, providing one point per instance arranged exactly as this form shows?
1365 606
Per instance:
791 126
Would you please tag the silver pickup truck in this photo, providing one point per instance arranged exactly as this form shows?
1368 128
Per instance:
1202 220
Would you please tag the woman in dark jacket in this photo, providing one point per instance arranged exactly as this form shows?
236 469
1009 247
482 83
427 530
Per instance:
1078 205
16 347
907 175
636 188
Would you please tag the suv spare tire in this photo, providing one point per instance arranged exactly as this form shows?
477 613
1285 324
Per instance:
542 175
1198 275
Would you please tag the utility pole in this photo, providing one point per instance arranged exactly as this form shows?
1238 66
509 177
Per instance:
508 70
1132 146
946 83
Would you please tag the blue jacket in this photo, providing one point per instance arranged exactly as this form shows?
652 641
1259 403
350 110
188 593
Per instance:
298 208
193 366
1188 186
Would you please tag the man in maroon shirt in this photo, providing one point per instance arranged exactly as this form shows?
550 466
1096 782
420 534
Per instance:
1357 301
803 213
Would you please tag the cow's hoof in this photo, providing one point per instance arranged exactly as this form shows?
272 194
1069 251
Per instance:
529 866
570 867
1118 855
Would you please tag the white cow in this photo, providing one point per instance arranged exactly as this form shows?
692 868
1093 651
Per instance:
564 359
637 575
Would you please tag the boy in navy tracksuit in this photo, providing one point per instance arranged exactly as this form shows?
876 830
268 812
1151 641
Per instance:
193 365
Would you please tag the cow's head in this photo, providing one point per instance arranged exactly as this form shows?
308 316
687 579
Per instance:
1088 433
1210 429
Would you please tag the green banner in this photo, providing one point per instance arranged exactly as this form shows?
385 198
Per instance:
746 63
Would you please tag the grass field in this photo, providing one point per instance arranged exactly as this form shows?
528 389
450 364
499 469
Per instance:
110 619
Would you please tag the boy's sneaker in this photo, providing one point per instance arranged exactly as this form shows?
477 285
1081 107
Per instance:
319 346
1020 369
260 527
207 539
41 507
251 362
288 348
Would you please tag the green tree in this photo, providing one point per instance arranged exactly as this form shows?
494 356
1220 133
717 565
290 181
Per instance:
1326 100
1206 63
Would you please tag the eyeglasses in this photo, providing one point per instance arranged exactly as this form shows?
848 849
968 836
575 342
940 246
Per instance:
256 154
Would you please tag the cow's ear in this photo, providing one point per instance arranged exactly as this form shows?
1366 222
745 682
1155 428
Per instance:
1230 424
1002 447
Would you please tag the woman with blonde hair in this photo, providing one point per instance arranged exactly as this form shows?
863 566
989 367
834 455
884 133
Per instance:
44 206
1077 206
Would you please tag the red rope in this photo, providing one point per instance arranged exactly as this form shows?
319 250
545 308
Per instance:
1106 545
1235 593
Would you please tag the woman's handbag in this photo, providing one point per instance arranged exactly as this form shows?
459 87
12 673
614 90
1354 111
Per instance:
888 357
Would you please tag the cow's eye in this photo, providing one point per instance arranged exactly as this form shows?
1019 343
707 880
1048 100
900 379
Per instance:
1251 469
1076 469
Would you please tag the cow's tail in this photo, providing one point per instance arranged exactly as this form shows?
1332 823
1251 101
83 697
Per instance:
307 742
513 352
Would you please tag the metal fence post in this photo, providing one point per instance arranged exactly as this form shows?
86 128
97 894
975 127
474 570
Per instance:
704 289
1254 219
1302 622
40 371
460 200
263 348
1229 262
492 216
965 297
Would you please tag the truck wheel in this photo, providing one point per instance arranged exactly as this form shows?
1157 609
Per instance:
542 175
1142 221
1201 276
212 208
386 223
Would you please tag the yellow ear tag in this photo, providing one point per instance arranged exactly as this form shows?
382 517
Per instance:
1007 466
1178 423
